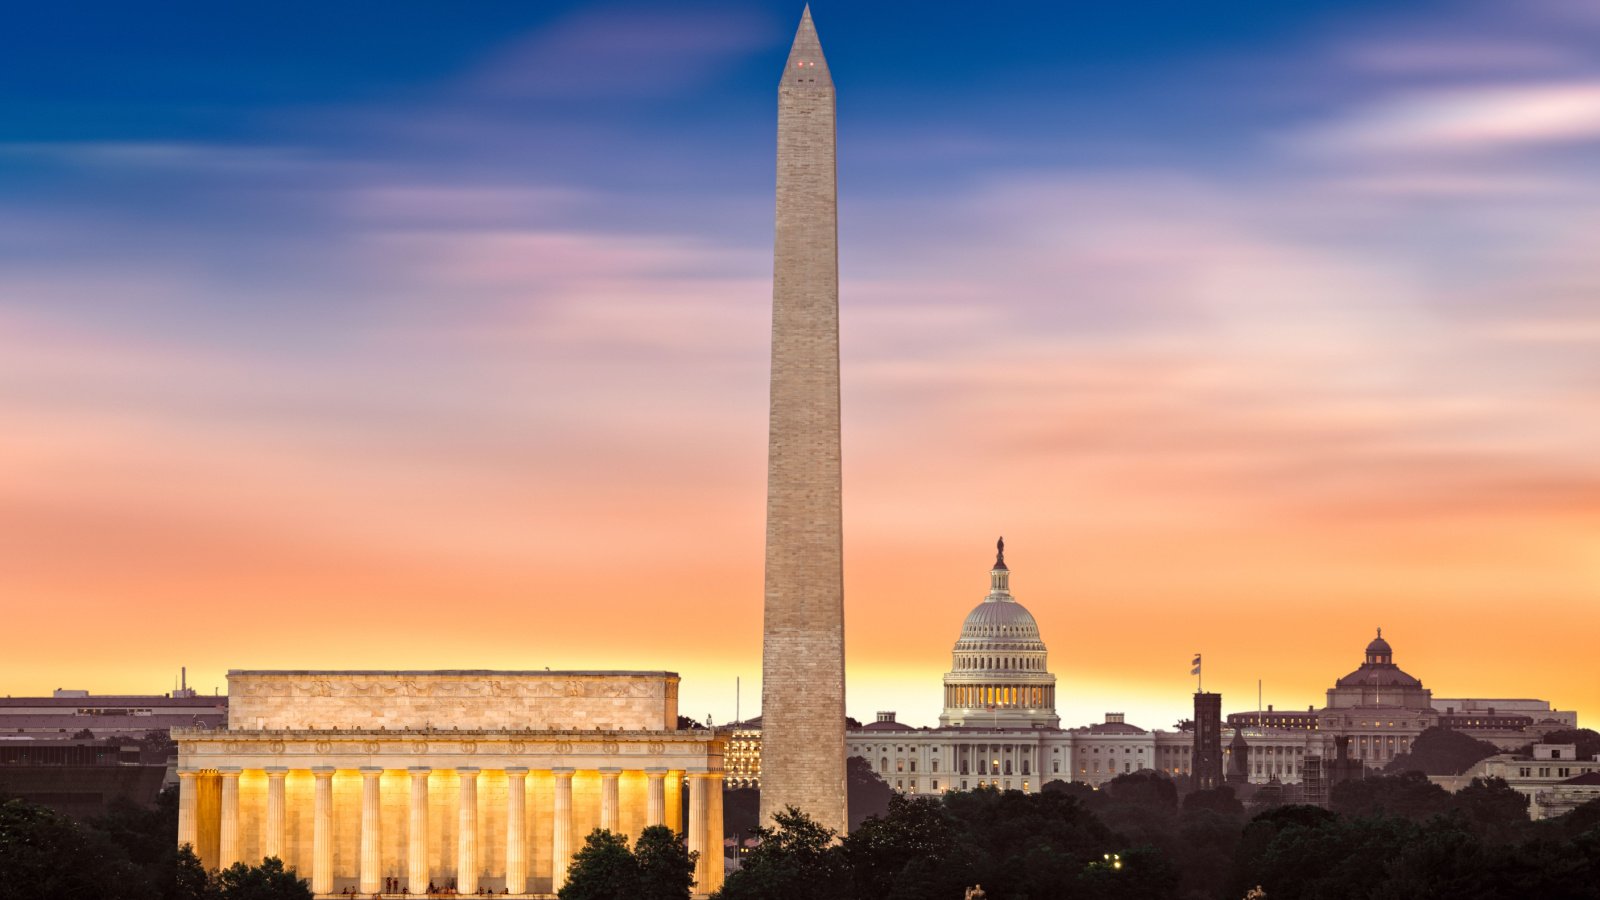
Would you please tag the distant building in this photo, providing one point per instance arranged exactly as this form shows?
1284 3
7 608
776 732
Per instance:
78 778
741 759
1562 798
1207 752
1381 709
1507 723
1270 718
999 727
68 712
1552 777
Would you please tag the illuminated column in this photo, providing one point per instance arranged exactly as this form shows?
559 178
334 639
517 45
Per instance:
714 872
561 830
467 834
371 845
417 834
272 837
516 830
698 807
608 798
188 804
228 845
322 832
656 802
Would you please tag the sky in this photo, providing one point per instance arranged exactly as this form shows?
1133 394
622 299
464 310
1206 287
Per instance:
432 335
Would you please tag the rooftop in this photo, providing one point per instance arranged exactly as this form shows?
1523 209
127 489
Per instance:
457 673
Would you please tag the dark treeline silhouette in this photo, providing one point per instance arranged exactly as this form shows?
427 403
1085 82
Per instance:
1441 751
1384 836
127 854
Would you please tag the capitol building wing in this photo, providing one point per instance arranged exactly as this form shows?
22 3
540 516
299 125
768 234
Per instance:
394 781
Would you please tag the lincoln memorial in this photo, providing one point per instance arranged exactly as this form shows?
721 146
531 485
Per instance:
394 781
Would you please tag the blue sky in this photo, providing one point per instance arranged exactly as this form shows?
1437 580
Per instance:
1250 307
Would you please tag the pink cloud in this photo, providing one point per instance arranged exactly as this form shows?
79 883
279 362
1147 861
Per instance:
1467 120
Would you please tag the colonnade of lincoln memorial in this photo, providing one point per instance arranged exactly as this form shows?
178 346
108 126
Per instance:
395 782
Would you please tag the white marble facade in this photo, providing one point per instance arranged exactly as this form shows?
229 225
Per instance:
394 781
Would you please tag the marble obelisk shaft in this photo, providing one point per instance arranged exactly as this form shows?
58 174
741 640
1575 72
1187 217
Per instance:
802 694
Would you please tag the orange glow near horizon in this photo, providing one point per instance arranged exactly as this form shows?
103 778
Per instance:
1247 349
136 545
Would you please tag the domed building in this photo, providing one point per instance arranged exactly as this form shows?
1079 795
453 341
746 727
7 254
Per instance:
999 726
1379 683
999 675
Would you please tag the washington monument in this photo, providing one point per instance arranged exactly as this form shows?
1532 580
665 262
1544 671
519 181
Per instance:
802 686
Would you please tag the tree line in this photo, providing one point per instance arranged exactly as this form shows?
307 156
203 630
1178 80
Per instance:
1388 836
1136 838
130 853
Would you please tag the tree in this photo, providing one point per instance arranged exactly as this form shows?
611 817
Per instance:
687 724
268 881
1492 808
157 746
797 860
145 834
1137 874
1440 751
1218 799
1586 739
1306 852
47 854
603 869
1146 788
1032 845
1081 791
660 867
666 867
865 793
183 877
1409 796
1207 840
915 834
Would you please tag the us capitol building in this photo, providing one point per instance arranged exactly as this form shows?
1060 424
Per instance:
999 726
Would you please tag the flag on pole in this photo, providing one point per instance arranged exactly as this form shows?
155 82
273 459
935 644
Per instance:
1196 664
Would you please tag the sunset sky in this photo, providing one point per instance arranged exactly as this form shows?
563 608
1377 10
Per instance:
415 335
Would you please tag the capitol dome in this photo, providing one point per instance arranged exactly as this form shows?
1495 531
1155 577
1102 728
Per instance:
999 675
1000 618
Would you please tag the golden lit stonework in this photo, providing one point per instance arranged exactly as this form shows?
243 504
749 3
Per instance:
389 782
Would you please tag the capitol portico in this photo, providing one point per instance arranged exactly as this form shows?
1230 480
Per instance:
389 782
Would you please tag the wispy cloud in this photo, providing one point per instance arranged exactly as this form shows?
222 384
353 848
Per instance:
1467 120
621 53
